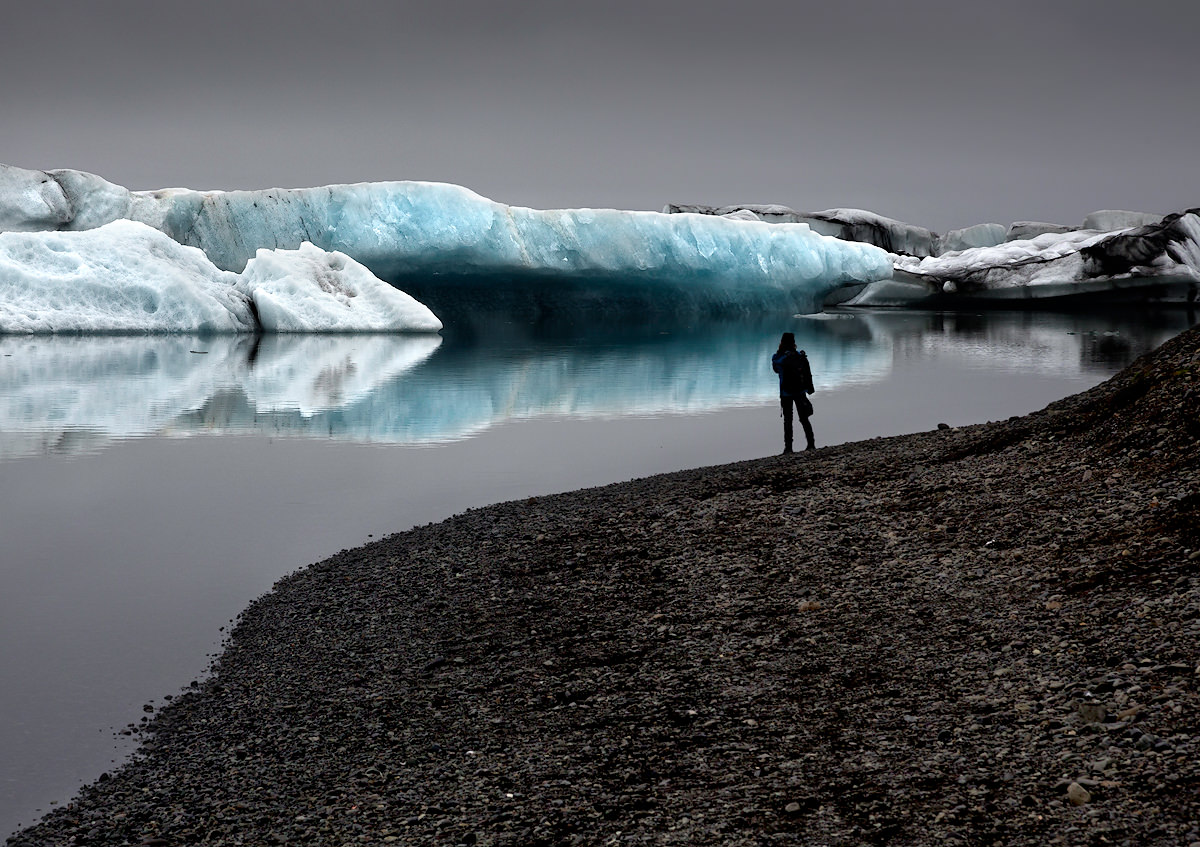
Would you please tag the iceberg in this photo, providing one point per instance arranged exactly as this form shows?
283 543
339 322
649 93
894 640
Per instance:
446 244
1116 254
124 277
127 277
1155 261
312 290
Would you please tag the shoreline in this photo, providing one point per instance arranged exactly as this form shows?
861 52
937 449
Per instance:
888 641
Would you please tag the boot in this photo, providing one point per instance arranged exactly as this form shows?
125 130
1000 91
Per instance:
787 447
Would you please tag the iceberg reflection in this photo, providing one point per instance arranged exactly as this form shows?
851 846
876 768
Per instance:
77 394
65 394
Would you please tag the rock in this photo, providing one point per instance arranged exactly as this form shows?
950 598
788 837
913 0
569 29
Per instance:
440 661
1077 794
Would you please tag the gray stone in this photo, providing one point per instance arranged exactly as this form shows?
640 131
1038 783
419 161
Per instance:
1077 794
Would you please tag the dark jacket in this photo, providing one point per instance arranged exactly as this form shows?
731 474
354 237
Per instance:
795 376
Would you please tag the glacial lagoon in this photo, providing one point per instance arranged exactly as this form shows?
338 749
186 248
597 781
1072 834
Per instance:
154 485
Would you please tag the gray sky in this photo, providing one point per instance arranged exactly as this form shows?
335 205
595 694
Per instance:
940 113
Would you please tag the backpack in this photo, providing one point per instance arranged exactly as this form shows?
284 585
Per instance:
795 377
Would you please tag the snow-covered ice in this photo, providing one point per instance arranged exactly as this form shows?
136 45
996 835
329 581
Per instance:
1156 260
127 277
311 290
124 277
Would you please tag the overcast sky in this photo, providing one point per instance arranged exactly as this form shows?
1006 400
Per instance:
939 113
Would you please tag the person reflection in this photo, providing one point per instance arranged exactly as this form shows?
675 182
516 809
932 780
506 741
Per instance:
795 384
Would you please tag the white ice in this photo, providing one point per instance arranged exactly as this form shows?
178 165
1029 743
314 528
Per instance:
311 290
127 277
1049 265
124 277
1011 253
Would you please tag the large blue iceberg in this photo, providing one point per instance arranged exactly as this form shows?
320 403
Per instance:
454 250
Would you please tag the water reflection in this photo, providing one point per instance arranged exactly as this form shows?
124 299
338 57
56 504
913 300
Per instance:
1032 342
72 394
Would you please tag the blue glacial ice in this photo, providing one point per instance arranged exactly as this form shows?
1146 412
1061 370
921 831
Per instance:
127 277
447 245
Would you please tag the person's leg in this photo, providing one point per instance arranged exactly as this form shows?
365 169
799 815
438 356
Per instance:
808 433
786 404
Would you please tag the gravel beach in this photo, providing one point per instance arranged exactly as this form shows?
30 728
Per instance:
977 635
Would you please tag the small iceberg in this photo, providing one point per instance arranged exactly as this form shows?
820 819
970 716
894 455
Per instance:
126 277
312 290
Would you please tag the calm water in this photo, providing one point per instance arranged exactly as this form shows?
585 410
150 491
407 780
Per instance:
151 487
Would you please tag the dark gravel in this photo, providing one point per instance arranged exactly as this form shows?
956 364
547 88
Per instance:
985 635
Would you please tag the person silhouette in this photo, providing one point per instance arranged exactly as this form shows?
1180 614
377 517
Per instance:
795 384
